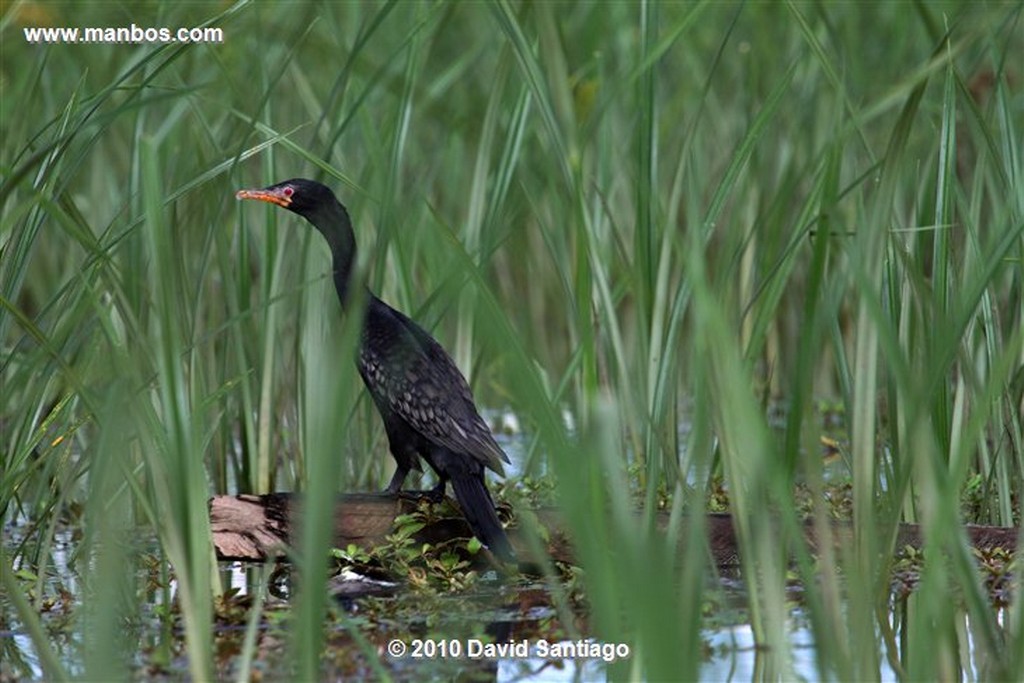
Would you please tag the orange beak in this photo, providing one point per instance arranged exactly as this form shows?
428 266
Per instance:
272 196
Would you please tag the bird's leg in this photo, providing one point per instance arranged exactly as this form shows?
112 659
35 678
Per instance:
395 487
434 495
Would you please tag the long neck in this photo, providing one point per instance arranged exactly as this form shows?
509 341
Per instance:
334 224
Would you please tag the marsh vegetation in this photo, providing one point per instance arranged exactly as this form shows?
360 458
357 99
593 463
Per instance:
635 226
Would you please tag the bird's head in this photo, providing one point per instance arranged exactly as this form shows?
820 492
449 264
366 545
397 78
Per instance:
304 197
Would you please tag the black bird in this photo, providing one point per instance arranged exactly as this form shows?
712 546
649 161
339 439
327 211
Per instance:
424 400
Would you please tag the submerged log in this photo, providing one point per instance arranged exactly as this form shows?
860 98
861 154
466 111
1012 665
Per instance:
258 528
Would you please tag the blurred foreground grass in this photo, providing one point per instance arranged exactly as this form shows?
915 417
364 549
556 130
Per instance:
651 216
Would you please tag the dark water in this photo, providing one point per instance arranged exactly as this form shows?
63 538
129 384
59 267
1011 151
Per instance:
730 643
532 652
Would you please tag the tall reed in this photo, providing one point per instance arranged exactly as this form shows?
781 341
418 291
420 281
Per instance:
655 218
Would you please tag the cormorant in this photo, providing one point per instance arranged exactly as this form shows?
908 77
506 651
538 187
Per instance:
424 400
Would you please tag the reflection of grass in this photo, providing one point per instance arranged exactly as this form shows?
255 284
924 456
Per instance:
632 213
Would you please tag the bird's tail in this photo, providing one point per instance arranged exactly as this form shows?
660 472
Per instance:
478 508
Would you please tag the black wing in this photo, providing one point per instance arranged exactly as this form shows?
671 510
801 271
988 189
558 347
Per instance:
408 371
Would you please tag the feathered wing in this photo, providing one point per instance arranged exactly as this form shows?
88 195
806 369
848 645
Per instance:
420 383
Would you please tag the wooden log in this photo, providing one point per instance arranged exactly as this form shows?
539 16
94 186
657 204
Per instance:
258 528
